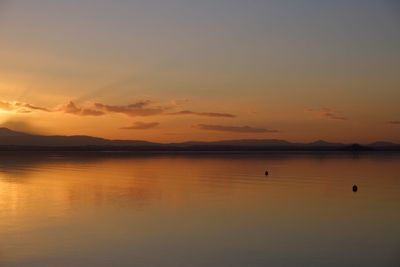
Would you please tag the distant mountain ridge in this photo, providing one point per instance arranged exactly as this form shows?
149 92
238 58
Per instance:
13 138
10 138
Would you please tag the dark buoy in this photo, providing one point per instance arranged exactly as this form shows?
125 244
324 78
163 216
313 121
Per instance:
266 173
355 188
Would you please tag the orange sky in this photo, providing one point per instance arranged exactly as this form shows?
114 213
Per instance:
183 70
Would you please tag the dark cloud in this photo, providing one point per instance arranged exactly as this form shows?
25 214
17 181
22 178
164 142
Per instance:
141 126
141 108
394 122
328 113
236 129
72 108
206 114
137 109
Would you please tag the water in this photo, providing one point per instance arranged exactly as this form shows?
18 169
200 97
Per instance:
199 210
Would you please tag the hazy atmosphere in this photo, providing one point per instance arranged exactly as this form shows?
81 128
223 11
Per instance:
199 133
175 70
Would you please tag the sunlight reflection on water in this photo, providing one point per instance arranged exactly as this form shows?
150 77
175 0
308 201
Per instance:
200 210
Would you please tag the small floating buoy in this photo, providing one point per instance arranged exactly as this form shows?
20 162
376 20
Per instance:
355 188
266 173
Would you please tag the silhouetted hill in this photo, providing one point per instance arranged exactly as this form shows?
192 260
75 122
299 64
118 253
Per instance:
240 142
5 132
260 143
13 140
321 143
382 144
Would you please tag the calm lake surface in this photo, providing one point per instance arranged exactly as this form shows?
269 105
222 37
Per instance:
194 210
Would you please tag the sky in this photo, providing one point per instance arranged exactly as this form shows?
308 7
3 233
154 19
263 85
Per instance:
179 70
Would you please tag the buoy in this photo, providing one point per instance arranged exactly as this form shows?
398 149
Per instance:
266 173
355 188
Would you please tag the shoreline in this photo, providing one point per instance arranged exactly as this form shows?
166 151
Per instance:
197 149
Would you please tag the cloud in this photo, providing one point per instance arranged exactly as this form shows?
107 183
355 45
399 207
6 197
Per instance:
146 108
141 108
206 114
20 107
31 107
235 129
141 126
137 109
394 122
328 113
71 108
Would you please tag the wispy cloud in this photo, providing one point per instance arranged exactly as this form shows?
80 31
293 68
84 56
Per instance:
32 107
141 108
138 109
328 113
141 126
235 129
205 114
394 122
72 108
20 107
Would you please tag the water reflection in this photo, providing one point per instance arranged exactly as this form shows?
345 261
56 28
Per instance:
199 210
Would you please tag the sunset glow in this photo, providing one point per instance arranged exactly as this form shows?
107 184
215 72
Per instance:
218 133
140 70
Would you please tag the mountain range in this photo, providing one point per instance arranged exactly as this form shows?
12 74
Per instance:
10 140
